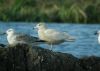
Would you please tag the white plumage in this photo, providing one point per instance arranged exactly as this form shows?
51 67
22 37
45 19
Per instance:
15 38
52 36
98 32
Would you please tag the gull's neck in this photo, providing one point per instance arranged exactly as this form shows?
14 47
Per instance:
98 35
10 34
41 33
43 28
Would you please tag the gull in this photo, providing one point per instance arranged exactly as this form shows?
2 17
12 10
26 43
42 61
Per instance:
98 32
52 36
15 38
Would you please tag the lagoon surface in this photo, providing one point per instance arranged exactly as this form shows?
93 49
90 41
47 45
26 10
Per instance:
86 43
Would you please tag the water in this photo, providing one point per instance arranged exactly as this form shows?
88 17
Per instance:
85 45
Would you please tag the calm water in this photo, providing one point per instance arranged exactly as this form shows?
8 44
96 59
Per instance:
85 45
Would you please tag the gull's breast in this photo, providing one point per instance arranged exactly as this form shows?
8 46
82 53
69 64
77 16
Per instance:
11 39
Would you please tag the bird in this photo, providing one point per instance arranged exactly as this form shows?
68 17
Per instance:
52 36
98 33
14 38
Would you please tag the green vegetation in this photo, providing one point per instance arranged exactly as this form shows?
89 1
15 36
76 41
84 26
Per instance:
78 11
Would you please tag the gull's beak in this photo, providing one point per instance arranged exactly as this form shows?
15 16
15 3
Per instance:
2 33
33 28
95 33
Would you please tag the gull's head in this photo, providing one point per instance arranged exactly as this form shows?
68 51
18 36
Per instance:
40 26
10 31
97 32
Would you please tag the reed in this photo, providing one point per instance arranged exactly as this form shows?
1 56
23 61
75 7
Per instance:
75 11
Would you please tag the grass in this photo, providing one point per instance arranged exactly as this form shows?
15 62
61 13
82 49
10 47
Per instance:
73 11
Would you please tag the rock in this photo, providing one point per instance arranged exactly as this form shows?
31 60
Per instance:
3 59
45 60
90 63
23 57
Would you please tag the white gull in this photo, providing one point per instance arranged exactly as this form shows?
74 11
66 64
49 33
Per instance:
52 36
15 38
98 32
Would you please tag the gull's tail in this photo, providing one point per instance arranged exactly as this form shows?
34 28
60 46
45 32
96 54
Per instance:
69 38
40 41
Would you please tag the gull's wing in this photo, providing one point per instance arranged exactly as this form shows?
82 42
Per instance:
54 34
68 37
27 38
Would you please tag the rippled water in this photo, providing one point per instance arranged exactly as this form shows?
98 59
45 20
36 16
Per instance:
85 45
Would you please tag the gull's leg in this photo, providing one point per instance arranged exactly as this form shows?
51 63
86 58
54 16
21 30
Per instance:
51 46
